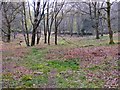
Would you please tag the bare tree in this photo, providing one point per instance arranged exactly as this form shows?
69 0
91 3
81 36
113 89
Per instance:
67 19
50 19
109 22
24 24
10 10
58 19
96 17
38 34
45 30
36 13
37 20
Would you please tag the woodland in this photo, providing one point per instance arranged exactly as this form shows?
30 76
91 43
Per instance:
59 44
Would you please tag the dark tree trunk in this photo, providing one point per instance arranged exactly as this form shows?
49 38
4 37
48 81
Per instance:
57 21
33 36
45 32
96 27
23 31
38 36
47 23
45 38
55 35
48 38
35 25
97 33
102 32
38 39
25 23
49 31
9 34
109 23
56 31
102 27
49 34
96 15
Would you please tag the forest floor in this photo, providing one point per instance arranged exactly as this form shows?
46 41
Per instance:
76 62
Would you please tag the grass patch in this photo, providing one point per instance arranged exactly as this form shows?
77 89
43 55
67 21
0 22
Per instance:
86 41
34 59
26 77
62 42
7 76
64 65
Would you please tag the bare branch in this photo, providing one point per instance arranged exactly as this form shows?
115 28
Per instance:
30 13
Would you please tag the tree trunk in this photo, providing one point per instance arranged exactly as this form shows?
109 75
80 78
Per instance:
38 36
57 21
47 24
96 20
28 43
102 32
55 35
96 27
45 32
97 33
25 23
55 31
45 38
33 36
109 23
36 24
49 32
23 31
102 29
38 39
48 38
9 34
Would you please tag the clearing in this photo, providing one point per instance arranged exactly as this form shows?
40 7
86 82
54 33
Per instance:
76 62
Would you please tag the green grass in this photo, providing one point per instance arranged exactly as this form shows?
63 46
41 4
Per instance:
64 65
86 41
62 42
